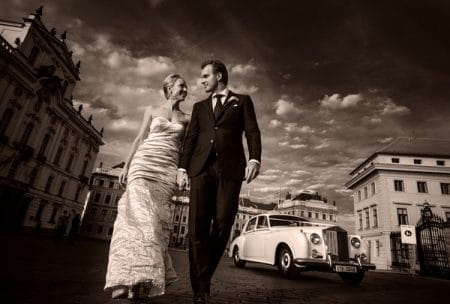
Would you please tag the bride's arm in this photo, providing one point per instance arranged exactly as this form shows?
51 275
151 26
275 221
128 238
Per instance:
143 132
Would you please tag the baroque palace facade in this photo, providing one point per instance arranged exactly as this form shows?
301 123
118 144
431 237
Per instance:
101 203
392 187
47 148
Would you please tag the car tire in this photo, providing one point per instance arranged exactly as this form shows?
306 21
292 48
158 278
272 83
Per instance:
352 278
237 259
285 263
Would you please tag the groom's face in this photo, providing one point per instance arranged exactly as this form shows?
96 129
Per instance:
209 79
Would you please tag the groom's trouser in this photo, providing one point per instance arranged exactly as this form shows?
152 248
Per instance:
213 205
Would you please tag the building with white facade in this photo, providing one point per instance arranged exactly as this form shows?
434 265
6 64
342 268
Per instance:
101 204
390 188
310 205
47 148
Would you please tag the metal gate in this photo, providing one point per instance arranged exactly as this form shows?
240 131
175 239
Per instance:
399 251
432 251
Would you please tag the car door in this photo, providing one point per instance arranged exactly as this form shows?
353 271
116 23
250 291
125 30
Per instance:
249 250
260 237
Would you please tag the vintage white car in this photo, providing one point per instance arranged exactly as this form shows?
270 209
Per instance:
294 245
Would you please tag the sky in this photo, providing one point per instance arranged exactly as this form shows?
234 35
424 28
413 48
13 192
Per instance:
332 81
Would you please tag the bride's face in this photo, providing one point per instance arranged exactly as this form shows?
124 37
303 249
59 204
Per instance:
179 90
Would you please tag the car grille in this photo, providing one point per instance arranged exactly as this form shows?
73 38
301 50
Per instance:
337 243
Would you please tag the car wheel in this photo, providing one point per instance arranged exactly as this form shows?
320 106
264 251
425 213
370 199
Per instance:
286 263
237 259
352 278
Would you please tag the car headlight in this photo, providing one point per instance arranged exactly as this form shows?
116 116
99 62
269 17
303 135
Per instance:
355 242
315 238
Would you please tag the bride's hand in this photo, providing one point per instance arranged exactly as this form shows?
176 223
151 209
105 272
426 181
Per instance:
182 180
123 176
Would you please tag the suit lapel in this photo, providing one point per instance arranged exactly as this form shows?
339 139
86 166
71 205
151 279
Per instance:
209 108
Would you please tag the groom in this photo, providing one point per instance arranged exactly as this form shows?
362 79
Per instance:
213 157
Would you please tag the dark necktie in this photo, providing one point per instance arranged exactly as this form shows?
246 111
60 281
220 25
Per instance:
219 107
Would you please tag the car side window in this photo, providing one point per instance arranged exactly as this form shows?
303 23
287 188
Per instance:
262 222
251 225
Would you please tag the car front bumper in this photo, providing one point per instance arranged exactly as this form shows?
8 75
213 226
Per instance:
324 265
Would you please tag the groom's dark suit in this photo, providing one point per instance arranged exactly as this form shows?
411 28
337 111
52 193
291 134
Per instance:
213 155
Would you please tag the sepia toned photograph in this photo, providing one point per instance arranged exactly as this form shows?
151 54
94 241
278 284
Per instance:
212 151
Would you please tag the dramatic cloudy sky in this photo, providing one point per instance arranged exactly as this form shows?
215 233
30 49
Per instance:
332 81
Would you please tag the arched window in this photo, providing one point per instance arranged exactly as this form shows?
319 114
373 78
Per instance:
85 164
13 169
44 145
6 119
34 54
64 88
27 133
69 162
58 155
33 176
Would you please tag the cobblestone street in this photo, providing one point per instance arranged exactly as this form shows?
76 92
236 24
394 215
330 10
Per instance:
40 270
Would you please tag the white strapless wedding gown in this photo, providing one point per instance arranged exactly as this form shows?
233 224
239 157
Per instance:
138 251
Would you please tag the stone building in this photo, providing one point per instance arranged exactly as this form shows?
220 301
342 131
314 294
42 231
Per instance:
390 189
101 203
47 148
179 226
310 205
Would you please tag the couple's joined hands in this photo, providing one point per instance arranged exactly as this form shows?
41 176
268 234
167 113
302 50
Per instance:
251 172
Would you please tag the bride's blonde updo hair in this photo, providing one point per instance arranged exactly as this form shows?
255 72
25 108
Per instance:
169 82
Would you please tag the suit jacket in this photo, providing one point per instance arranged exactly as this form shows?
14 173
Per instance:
224 134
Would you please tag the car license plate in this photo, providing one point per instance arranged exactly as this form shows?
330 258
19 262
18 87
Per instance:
344 268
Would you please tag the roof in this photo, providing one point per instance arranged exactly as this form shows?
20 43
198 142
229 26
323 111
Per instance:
413 146
245 202
418 146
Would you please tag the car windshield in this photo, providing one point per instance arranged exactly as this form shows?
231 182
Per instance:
286 220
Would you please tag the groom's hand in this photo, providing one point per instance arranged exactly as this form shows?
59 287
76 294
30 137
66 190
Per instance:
252 171
182 180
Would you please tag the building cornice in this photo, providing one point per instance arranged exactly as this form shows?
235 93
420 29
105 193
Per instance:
380 167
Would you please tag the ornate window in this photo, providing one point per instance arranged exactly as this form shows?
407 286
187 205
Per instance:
33 176
44 145
34 54
27 133
6 119
69 162
48 186
58 156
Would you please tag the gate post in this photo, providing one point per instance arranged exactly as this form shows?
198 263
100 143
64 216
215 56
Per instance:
414 267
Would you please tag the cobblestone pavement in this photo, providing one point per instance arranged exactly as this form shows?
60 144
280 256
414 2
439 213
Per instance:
40 270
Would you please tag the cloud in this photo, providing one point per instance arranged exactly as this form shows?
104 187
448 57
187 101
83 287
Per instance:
322 146
292 127
244 89
273 171
284 108
388 107
300 172
385 140
298 146
315 186
293 182
336 101
268 178
243 69
274 123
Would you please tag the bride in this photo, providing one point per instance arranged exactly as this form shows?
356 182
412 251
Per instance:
139 264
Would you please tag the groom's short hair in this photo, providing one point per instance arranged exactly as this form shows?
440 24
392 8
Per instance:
218 67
